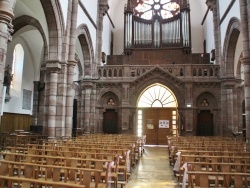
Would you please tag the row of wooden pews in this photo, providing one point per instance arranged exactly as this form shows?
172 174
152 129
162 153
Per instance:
210 161
87 161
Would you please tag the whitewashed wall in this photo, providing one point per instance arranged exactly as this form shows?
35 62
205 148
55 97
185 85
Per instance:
106 35
91 7
197 33
117 16
34 9
234 12
15 104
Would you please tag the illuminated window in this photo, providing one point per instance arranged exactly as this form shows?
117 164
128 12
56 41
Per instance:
157 96
146 9
13 67
139 128
17 70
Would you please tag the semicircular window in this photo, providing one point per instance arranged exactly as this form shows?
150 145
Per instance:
157 96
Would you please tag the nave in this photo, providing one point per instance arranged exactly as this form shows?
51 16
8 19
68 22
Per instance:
153 170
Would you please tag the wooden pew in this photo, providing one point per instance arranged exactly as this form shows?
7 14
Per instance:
218 179
48 174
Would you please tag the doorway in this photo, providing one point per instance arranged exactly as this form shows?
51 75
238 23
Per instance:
110 122
157 124
74 132
205 123
157 114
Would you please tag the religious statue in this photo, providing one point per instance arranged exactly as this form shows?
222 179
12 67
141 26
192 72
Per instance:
7 79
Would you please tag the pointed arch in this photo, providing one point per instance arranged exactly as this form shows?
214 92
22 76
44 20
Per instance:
87 48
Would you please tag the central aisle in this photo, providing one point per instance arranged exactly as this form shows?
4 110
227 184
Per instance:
153 170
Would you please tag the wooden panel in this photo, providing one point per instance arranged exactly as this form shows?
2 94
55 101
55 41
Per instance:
156 135
164 114
110 122
205 123
11 122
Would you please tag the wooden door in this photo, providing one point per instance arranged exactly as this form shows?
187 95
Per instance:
205 123
110 122
151 117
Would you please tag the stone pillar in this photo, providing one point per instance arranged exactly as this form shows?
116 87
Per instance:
66 76
93 115
214 6
230 107
69 99
125 110
6 16
246 59
102 10
246 63
86 97
53 69
61 99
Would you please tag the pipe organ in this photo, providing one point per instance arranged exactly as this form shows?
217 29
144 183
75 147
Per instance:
157 32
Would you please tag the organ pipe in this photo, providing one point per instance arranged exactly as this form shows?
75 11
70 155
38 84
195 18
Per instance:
174 32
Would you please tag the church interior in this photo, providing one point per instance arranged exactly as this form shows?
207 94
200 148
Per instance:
120 76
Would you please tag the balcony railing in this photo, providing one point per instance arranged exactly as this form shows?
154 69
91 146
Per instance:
178 70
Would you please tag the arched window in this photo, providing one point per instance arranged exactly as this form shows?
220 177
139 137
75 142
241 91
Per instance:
17 70
157 96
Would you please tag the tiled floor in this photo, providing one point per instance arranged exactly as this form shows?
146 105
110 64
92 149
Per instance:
153 170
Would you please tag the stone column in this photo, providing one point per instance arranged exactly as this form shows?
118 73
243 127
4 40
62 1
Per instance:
53 68
102 10
6 16
93 115
214 6
69 99
230 108
246 59
86 88
70 69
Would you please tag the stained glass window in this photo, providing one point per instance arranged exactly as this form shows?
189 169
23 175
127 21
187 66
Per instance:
146 9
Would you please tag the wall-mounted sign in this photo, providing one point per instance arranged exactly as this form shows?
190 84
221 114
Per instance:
163 123
150 126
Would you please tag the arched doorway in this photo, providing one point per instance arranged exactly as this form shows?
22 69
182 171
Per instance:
157 114
206 118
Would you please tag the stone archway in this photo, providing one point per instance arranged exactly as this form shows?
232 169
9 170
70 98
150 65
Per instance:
205 126
232 34
110 116
232 104
87 50
157 114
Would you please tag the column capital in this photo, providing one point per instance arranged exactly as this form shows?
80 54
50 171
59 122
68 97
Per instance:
6 10
212 4
53 65
245 60
72 63
103 6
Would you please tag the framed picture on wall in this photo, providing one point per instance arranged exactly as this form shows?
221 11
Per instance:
163 123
